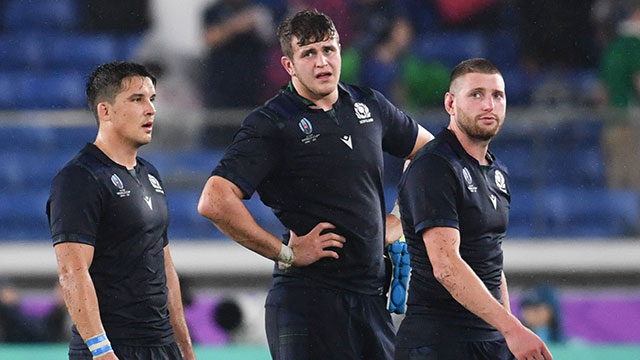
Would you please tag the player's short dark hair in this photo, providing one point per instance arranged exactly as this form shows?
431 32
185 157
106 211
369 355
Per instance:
476 65
309 26
105 82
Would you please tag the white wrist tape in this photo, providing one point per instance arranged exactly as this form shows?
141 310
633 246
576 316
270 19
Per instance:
396 211
285 257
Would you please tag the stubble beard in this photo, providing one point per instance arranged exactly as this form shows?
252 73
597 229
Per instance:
472 129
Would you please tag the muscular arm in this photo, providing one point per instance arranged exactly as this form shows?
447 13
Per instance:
79 293
221 203
465 286
176 312
424 136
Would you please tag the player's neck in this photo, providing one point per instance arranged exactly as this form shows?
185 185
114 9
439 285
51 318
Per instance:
324 102
118 151
476 148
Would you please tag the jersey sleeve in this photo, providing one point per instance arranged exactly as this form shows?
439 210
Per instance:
400 130
429 193
74 206
253 154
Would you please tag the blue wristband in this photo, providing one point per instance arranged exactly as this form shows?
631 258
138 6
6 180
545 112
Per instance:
99 345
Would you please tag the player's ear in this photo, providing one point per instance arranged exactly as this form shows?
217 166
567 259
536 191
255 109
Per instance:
104 110
288 65
449 99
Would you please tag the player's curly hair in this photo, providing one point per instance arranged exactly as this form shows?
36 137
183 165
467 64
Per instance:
105 82
308 26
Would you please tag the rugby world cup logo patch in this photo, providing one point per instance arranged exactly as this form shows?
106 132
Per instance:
117 182
467 178
305 126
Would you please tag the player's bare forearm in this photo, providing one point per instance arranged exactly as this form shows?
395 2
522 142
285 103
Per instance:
505 293
460 281
466 288
393 229
77 287
176 310
221 203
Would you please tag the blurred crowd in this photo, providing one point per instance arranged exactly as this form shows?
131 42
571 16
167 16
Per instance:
552 52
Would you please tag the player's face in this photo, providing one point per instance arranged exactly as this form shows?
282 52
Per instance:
479 104
315 68
132 112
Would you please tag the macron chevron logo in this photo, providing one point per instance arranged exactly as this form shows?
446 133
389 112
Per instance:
347 141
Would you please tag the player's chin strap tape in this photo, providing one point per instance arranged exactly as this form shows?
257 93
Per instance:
99 345
399 254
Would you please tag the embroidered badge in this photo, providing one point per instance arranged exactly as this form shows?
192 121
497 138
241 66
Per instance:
500 181
362 113
156 184
469 180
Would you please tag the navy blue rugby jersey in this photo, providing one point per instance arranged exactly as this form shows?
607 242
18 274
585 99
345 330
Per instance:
124 217
445 187
311 166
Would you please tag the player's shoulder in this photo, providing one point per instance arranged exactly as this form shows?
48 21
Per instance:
359 93
276 112
439 147
81 170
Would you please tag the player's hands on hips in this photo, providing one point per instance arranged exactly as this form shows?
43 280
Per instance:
311 247
525 345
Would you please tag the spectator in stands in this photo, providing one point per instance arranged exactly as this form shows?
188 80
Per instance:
384 34
540 312
454 199
620 72
314 153
117 16
236 33
556 34
57 321
15 325
108 218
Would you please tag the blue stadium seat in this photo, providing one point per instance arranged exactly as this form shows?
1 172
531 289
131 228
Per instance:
22 15
21 52
127 46
450 48
184 220
8 96
80 52
503 49
589 212
24 170
50 90
572 155
184 166
517 85
23 215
